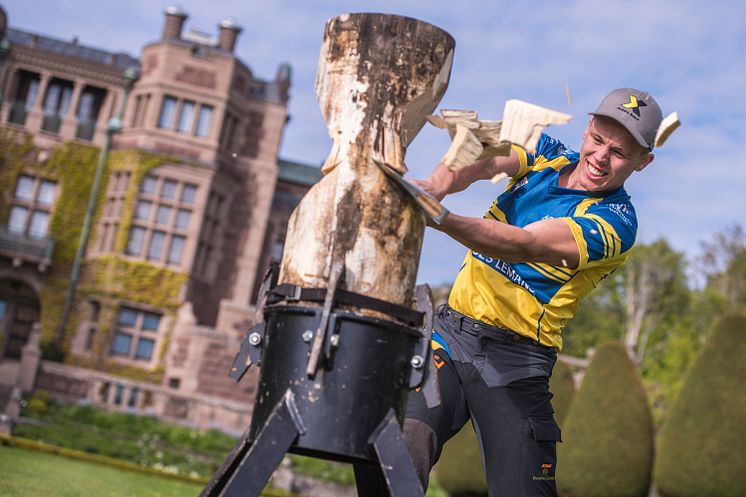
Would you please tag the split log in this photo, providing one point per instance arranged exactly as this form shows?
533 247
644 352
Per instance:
378 78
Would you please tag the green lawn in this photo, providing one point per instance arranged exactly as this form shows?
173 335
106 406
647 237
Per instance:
26 473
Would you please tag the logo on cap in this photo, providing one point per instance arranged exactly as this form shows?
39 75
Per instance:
634 105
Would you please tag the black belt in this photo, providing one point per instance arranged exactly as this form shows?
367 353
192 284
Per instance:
471 325
294 293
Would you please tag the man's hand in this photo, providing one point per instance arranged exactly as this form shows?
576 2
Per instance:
430 186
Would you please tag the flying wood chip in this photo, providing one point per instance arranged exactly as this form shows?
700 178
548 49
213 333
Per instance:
523 123
667 126
464 150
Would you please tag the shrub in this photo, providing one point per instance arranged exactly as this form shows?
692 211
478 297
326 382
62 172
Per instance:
608 433
699 445
38 404
460 471
562 387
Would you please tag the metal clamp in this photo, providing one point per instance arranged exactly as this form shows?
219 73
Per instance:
250 352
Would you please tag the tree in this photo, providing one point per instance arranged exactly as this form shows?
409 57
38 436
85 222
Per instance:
460 471
607 448
654 290
634 303
562 386
723 263
701 446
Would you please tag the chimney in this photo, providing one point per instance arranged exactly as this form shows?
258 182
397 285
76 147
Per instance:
229 31
175 17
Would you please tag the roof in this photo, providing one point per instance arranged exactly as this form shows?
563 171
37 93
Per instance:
23 38
295 172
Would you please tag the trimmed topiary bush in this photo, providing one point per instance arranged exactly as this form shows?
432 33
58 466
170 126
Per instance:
562 387
460 471
703 444
608 432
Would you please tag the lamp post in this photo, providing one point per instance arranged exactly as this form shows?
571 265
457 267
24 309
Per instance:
114 126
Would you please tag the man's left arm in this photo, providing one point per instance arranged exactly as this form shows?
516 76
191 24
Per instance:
550 240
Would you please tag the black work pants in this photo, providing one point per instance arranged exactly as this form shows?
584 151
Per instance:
509 406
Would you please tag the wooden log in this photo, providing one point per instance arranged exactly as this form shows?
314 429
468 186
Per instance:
378 78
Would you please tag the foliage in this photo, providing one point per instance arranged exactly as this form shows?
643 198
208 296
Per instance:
699 446
460 471
15 152
140 439
723 263
562 387
600 317
608 432
38 404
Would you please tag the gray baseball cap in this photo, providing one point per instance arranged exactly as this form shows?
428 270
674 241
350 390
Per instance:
636 110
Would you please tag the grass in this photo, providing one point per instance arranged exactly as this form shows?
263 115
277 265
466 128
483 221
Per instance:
142 440
27 473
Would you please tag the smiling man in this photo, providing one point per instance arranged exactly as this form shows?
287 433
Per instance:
564 223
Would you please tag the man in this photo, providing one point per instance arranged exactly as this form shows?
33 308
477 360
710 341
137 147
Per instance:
564 223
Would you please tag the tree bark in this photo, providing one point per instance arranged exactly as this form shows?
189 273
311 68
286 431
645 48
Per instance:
378 78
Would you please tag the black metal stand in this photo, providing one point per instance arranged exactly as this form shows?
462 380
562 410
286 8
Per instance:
332 385
250 465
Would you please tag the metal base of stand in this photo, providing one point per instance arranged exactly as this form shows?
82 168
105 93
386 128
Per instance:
249 466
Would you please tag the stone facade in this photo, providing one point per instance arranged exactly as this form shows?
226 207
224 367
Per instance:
193 206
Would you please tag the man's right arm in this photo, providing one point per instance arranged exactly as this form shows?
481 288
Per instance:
443 182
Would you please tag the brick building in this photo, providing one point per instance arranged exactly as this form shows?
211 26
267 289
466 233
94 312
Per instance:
193 205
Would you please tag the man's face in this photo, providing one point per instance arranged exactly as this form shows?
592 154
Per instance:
608 157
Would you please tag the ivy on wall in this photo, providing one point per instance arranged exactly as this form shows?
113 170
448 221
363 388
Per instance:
109 279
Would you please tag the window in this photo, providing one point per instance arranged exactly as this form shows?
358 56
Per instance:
38 226
183 116
142 211
25 188
132 402
229 131
188 193
94 310
169 189
186 117
115 196
141 110
174 252
122 343
204 120
161 220
163 215
182 218
156 245
136 334
27 90
134 245
58 98
30 209
56 104
168 110
89 107
209 236
148 184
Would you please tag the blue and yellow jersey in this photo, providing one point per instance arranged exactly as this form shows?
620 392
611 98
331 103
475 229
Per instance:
537 299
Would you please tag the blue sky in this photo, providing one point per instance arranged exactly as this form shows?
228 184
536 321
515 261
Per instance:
690 55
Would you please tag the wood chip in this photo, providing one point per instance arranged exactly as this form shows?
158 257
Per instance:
464 149
667 126
523 123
